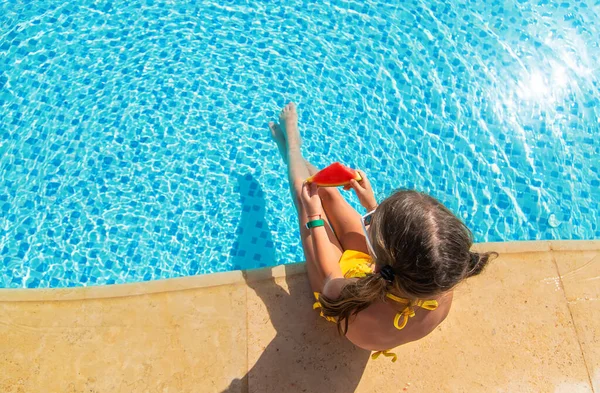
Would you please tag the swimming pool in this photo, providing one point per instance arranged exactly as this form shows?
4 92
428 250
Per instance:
134 142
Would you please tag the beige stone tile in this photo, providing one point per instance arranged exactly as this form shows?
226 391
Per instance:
580 274
291 349
184 341
586 315
509 330
574 245
267 273
121 290
513 247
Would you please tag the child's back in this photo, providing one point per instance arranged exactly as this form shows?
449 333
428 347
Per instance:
374 329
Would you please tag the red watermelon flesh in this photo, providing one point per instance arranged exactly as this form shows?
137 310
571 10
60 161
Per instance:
334 175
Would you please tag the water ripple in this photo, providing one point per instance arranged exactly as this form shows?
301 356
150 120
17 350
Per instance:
134 145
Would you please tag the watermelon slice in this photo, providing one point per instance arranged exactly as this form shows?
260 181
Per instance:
334 175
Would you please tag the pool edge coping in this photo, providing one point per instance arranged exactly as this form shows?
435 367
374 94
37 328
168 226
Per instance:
239 277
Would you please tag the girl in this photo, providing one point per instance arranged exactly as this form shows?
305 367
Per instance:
385 278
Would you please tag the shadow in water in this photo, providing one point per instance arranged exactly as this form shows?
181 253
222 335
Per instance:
301 352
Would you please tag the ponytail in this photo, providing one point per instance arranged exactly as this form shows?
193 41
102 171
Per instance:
478 261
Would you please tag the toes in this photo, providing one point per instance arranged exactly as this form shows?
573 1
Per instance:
289 108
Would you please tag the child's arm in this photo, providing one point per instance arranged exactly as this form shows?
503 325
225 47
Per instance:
364 192
327 262
326 256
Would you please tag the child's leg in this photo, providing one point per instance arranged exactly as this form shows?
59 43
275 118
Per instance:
289 145
346 221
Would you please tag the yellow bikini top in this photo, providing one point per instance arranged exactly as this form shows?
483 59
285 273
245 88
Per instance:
356 264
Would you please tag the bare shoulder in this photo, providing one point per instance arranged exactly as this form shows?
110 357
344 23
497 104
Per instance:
333 288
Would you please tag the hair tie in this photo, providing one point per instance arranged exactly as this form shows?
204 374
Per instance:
387 272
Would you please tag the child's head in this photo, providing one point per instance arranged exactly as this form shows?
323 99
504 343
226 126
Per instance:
426 245
421 250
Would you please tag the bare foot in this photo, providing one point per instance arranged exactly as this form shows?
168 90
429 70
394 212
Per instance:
289 118
279 138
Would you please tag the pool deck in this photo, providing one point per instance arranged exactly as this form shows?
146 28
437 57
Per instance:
529 323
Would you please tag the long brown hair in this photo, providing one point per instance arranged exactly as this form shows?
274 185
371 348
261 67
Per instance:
426 246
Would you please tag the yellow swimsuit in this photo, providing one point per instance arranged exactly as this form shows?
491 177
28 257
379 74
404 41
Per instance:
356 264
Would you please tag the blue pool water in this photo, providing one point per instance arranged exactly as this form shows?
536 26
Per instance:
134 142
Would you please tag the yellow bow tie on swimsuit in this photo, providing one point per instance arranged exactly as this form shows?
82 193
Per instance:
409 310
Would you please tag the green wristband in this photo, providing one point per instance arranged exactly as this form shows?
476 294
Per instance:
315 223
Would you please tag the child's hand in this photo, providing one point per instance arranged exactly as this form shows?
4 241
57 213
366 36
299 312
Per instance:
363 191
310 199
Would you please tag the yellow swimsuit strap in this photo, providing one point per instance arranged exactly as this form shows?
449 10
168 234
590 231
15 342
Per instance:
386 353
409 310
